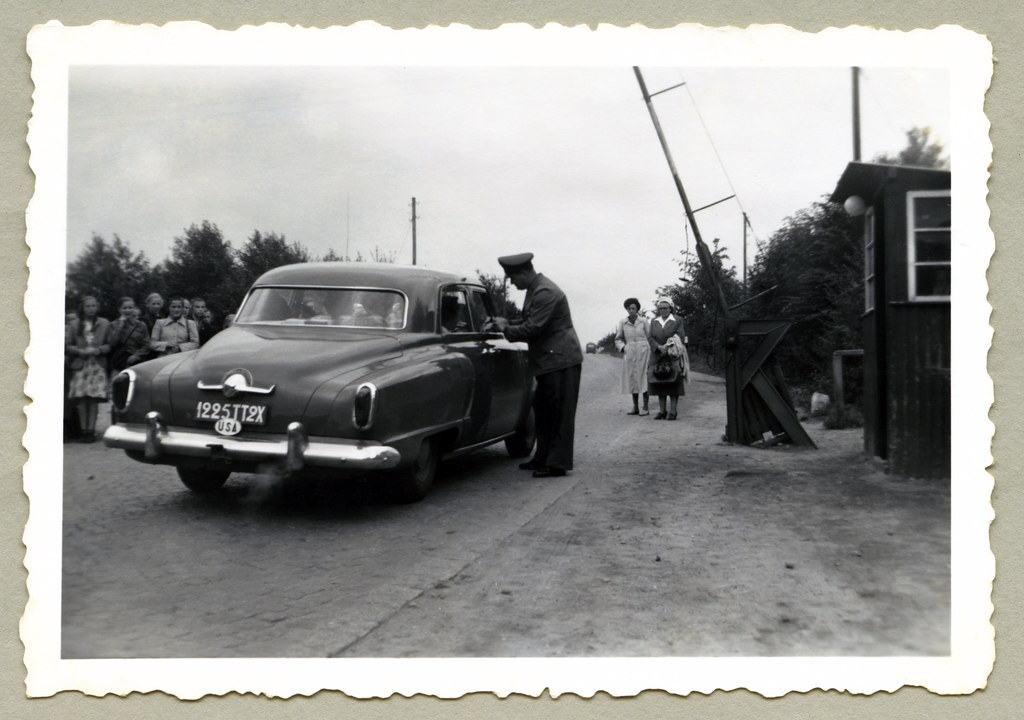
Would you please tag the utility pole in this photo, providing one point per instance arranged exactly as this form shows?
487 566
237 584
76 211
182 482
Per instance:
745 223
856 114
414 231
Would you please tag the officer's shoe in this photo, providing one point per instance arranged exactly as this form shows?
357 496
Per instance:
548 472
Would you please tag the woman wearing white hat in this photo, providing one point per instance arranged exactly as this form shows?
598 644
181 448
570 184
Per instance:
666 377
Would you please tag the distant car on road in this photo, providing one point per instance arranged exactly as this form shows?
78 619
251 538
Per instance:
337 368
591 348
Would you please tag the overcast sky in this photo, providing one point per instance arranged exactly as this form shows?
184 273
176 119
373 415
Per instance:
561 162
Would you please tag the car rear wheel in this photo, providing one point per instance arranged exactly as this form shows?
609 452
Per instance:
203 480
412 484
521 444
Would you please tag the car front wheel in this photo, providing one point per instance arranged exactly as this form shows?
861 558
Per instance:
203 480
412 484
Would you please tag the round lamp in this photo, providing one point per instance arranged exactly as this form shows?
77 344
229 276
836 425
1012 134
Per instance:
854 206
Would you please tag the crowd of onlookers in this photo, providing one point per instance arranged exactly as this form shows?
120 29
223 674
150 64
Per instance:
96 349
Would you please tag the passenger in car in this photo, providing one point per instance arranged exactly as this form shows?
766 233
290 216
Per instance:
453 314
394 318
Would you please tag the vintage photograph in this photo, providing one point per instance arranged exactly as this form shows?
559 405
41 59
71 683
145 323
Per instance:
591 368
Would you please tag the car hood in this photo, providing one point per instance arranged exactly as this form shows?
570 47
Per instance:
295 361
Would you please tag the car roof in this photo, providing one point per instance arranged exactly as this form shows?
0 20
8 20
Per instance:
419 284
409 278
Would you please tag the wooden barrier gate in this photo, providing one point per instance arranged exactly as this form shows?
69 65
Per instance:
759 410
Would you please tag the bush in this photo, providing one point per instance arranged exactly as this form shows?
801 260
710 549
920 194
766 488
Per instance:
845 416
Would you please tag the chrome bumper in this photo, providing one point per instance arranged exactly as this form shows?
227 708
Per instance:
158 443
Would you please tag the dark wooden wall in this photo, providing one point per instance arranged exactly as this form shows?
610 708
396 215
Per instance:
918 418
906 351
874 397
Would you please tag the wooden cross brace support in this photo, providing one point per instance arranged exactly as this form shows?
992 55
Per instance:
750 373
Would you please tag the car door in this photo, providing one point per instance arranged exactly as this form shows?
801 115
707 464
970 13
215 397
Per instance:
509 380
459 335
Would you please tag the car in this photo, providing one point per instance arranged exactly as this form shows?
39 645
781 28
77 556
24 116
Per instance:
591 348
340 369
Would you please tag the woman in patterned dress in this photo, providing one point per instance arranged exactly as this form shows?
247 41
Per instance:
86 347
632 337
667 345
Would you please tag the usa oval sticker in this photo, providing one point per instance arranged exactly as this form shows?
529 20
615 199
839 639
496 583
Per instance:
228 426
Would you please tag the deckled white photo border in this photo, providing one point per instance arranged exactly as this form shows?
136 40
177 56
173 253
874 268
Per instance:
968 57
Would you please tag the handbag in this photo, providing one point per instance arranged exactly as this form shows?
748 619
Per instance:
76 363
663 369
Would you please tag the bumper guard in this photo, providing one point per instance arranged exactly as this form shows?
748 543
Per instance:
159 443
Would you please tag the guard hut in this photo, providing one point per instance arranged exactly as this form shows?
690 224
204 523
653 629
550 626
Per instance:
906 320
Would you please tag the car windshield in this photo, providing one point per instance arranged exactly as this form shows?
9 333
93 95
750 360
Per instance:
336 307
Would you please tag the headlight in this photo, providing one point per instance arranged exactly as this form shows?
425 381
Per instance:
364 405
122 389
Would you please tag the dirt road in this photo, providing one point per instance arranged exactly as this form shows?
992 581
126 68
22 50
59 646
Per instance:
667 541
663 541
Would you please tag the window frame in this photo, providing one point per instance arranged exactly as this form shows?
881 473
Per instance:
485 301
869 259
460 292
311 322
912 263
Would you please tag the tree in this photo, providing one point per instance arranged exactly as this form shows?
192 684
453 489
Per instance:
696 302
811 272
266 252
920 151
607 343
376 255
498 292
380 256
202 263
108 272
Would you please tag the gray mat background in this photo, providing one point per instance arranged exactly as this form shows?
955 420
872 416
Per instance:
1000 21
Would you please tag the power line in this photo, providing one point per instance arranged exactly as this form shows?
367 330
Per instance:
718 157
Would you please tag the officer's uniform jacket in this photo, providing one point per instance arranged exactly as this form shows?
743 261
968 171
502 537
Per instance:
547 328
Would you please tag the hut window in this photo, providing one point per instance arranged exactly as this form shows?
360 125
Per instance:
928 244
869 260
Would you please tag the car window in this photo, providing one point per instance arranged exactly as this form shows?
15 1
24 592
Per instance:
479 308
336 307
454 311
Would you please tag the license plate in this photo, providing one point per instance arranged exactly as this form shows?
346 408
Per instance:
244 413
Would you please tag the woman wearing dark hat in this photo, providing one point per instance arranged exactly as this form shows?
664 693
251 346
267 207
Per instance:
667 375
632 337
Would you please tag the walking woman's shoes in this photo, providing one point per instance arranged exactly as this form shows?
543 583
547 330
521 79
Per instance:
671 416
645 411
660 416
634 411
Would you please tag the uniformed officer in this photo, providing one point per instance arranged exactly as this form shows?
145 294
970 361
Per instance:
555 360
